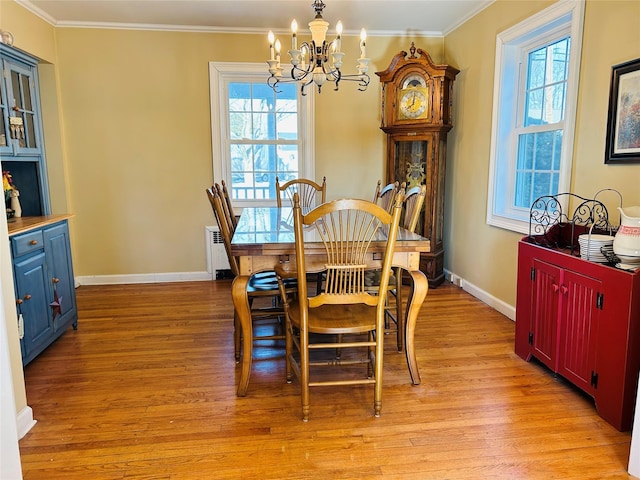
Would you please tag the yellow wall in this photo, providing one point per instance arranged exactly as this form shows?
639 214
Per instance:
487 256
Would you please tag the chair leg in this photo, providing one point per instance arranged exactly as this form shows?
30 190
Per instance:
288 347
387 316
400 320
377 397
237 337
304 374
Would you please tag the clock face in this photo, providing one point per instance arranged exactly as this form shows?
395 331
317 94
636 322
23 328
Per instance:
413 103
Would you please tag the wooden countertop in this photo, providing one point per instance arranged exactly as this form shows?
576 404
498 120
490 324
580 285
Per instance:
24 224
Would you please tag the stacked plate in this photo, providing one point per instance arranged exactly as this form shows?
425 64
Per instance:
592 247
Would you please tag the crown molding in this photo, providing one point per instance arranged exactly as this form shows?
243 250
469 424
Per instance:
26 4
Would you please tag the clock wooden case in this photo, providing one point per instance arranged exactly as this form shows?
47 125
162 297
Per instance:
417 98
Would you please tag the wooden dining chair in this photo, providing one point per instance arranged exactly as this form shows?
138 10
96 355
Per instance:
344 309
310 193
262 285
384 196
228 216
228 206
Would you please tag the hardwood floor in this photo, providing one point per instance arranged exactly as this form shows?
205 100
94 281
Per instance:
145 389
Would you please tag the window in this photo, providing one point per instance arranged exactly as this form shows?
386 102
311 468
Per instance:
535 95
257 133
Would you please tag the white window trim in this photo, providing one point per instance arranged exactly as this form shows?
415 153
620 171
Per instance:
218 73
504 54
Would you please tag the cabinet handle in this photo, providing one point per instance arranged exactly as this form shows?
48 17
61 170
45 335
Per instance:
564 290
19 301
55 280
33 242
554 287
27 297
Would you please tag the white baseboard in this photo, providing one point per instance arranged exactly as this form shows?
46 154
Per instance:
25 421
495 303
143 278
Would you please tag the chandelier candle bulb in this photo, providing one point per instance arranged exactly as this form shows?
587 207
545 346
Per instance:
271 40
339 37
294 31
278 66
363 38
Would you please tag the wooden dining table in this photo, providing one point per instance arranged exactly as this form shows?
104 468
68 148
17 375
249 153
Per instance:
264 238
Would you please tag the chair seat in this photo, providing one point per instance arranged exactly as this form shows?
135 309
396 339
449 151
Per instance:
336 319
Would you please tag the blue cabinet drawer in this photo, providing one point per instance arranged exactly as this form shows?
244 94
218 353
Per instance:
27 242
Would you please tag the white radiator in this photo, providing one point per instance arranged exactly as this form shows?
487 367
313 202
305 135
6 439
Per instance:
217 260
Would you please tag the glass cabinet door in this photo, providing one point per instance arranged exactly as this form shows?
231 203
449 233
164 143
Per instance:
410 166
410 162
21 110
21 136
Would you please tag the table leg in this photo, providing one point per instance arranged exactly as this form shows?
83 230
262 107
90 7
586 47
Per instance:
417 294
243 313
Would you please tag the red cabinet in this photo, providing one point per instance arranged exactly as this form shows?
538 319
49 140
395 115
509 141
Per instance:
582 320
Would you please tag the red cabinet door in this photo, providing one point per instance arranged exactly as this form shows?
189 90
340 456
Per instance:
579 323
545 311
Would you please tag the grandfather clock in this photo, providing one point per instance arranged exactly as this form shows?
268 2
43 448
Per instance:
417 100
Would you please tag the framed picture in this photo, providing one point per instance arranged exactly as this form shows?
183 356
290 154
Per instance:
623 124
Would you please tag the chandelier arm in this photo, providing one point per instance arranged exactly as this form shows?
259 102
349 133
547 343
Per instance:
272 81
309 47
305 84
356 77
328 69
364 83
298 73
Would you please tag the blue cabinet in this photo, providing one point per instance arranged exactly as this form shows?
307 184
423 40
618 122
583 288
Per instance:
21 136
44 285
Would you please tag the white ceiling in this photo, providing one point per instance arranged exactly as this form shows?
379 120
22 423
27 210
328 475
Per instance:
379 17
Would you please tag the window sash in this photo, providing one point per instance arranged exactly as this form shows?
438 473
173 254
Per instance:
225 149
563 19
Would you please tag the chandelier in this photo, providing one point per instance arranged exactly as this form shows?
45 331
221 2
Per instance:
317 61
